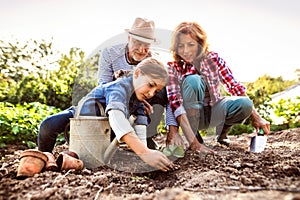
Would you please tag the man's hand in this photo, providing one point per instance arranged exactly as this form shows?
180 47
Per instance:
120 73
173 137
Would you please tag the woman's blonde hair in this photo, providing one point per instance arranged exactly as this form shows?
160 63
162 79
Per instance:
153 68
196 32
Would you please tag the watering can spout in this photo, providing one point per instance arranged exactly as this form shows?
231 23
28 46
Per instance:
110 151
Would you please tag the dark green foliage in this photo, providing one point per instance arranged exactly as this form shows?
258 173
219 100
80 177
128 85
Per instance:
31 75
35 73
19 123
241 128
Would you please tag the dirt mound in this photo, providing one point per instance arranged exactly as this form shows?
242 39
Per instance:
233 173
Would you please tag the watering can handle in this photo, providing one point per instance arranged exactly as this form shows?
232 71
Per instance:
82 102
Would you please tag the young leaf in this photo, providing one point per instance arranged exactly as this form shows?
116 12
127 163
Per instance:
178 152
166 151
172 147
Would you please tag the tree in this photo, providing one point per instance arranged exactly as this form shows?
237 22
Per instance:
34 72
270 84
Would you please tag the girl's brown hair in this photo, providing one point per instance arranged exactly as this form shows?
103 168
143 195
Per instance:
196 32
153 68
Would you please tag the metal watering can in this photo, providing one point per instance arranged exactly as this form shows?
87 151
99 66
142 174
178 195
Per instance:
90 137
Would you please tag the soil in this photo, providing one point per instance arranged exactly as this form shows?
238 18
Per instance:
233 173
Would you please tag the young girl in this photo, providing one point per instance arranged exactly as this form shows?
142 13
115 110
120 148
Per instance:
148 78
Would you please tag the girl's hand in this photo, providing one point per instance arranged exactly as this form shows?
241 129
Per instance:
157 160
148 108
153 158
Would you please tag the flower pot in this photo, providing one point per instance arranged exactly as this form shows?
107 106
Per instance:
31 162
51 163
65 162
71 153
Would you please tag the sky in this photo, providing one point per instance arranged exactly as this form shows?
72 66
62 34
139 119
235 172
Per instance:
254 37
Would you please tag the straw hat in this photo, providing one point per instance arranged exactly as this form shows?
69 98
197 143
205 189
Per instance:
142 30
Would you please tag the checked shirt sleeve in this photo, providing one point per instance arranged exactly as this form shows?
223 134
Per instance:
173 88
232 86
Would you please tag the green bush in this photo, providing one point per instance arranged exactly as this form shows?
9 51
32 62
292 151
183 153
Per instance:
241 128
289 109
19 123
34 72
35 82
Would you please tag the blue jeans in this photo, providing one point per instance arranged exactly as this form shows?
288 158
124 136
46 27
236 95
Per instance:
228 111
51 127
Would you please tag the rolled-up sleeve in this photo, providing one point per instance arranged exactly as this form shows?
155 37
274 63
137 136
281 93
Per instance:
234 87
116 106
173 89
119 123
171 116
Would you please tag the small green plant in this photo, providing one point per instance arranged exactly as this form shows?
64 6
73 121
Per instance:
174 150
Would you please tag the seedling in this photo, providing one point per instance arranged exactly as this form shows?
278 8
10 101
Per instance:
174 150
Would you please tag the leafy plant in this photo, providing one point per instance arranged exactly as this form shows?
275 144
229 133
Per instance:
289 109
19 123
241 128
34 72
174 150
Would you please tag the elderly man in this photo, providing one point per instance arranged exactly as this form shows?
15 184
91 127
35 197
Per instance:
124 57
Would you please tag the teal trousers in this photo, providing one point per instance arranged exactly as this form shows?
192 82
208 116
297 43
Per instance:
227 111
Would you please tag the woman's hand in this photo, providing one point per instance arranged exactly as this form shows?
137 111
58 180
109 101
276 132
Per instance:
196 146
262 123
259 122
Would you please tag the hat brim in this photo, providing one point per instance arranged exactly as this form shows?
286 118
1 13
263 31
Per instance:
142 39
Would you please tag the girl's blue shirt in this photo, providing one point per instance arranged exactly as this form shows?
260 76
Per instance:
117 95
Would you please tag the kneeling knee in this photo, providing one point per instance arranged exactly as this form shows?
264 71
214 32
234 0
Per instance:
247 106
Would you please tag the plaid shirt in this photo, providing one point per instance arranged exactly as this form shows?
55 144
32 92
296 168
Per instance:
214 71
